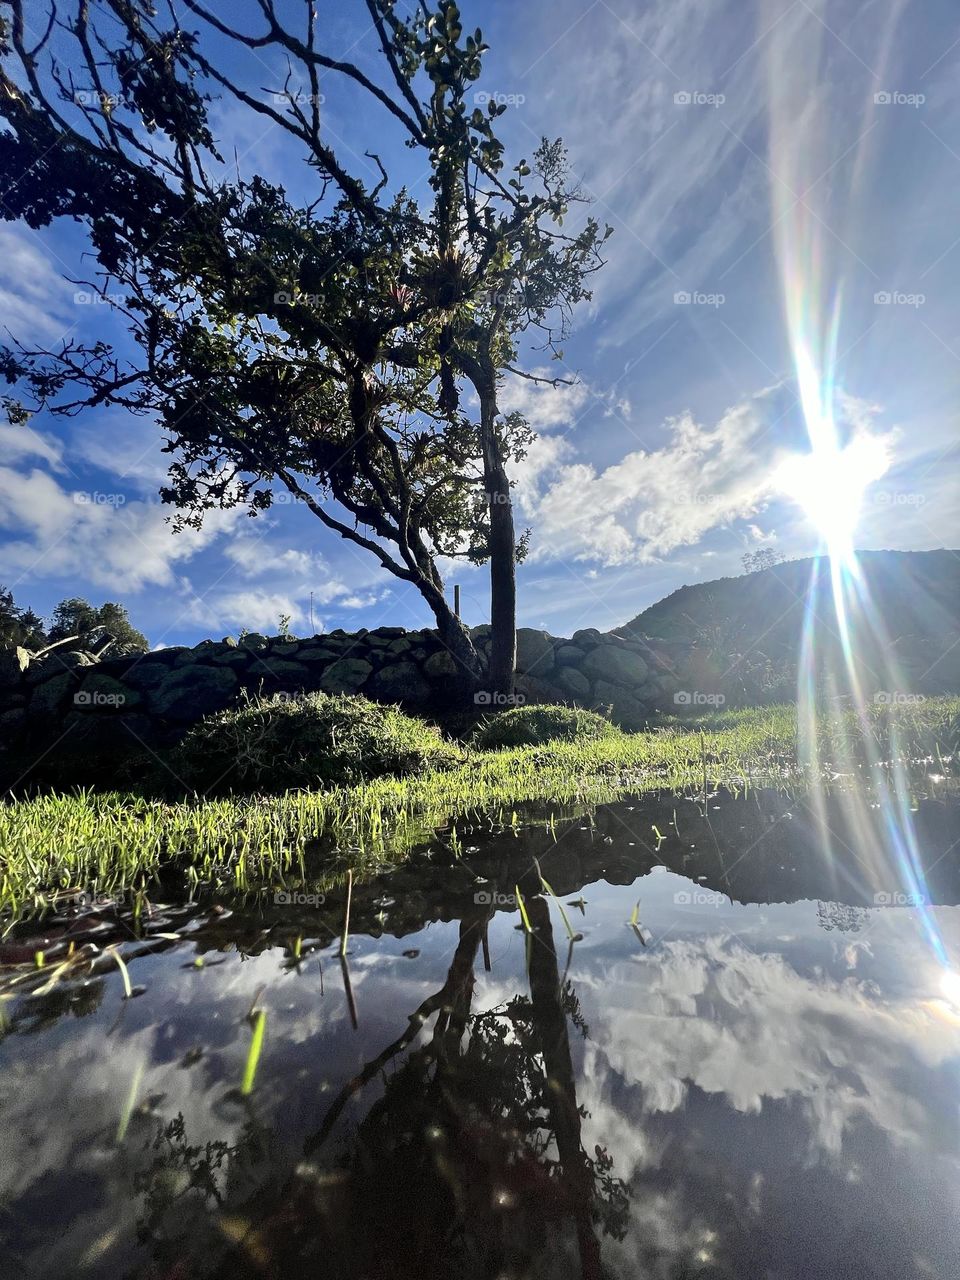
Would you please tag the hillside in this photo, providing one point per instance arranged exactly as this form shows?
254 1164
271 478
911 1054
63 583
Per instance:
914 596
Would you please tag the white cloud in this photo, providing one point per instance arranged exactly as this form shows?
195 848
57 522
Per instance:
19 442
544 406
95 536
653 501
35 299
256 610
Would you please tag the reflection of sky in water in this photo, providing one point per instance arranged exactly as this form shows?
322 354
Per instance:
781 1099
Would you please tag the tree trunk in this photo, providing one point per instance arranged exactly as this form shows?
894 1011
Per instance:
503 549
551 1023
456 639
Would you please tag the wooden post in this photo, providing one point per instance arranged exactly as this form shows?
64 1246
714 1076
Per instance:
456 598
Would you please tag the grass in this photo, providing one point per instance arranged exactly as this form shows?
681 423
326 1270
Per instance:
117 843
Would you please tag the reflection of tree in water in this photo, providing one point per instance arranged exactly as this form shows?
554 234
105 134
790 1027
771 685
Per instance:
184 1186
841 916
469 1163
40 1013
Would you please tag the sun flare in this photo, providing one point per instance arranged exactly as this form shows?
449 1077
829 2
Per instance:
830 483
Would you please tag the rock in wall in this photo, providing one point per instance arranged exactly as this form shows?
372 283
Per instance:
75 703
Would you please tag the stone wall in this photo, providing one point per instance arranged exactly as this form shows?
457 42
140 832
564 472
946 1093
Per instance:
73 701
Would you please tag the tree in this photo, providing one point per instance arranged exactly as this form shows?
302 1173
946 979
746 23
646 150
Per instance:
19 627
307 350
492 263
77 617
763 558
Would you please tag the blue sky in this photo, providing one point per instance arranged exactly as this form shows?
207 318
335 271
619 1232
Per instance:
765 166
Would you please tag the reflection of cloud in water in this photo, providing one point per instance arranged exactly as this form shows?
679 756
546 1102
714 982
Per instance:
688 1054
752 1028
62 1094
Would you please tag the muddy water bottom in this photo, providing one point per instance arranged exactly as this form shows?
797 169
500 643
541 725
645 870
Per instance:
746 1064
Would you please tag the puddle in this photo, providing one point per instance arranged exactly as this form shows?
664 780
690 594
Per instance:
746 1066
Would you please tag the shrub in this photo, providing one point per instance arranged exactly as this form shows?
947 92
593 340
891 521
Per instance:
533 726
276 744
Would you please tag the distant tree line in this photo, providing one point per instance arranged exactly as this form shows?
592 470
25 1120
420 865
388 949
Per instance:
764 558
91 624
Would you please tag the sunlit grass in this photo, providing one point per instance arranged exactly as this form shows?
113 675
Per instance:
53 844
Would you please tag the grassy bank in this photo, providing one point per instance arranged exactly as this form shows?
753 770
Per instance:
120 842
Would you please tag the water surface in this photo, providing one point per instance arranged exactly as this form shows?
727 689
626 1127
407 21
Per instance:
746 1065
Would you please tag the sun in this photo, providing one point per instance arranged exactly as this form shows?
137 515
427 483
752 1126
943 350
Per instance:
829 484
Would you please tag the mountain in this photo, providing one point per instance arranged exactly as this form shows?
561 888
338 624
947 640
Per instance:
902 608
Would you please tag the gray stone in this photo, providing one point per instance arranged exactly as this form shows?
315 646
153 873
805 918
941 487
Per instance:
201 652
284 648
189 693
573 681
627 712
48 696
254 640
235 658
103 693
228 642
619 666
400 682
440 666
482 632
569 655
534 690
346 676
107 734
54 663
317 653
534 651
587 637
402 645
167 657
276 671
145 674
13 663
